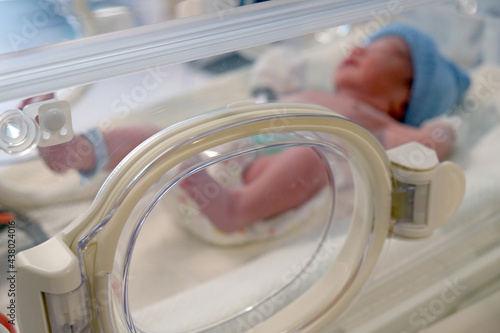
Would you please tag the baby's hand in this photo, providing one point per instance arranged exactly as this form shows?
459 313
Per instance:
75 154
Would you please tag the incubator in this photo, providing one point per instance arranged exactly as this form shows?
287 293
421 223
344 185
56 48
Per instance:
110 111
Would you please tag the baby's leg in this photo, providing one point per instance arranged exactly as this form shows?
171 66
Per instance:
273 185
286 181
214 201
256 168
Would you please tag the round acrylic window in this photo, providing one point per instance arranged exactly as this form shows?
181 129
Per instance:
240 225
187 275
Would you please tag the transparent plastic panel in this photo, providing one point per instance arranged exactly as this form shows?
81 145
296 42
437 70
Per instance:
187 256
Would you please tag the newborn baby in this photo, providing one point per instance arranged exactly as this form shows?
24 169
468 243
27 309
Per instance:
390 86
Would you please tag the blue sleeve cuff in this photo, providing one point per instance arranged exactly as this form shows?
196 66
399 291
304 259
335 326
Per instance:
101 154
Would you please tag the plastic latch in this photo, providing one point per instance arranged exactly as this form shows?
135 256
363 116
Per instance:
426 193
19 133
54 119
70 312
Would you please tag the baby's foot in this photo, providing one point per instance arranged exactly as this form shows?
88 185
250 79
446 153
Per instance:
215 201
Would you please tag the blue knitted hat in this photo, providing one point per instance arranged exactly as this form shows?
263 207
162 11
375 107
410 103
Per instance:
438 84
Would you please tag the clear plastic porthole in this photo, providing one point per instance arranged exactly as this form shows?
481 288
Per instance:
238 267
239 274
237 277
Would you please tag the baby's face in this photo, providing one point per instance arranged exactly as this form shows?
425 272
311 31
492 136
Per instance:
382 70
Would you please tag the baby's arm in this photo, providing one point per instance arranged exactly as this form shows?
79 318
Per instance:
439 136
80 154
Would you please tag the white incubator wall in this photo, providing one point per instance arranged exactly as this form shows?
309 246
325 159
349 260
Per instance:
131 131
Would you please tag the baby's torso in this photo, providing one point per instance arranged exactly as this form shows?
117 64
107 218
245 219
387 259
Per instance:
355 110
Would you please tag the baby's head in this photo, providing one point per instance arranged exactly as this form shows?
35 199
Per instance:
401 72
